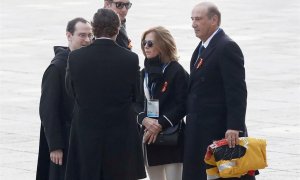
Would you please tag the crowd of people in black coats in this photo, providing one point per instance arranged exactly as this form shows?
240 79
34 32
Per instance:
101 114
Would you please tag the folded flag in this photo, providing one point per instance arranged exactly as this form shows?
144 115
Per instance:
246 157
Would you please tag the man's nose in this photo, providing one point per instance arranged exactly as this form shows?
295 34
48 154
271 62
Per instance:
194 24
87 40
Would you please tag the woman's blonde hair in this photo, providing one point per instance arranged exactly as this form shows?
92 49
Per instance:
164 42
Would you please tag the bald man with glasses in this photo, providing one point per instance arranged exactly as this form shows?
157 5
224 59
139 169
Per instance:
121 7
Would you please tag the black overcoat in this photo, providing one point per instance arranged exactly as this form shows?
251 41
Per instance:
104 143
122 38
216 101
56 114
171 91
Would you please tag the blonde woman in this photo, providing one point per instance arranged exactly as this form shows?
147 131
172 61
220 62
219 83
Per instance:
165 84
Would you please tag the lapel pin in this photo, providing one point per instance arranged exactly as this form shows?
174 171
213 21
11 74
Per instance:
199 64
164 88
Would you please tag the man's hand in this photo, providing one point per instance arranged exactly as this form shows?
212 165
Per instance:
56 156
232 137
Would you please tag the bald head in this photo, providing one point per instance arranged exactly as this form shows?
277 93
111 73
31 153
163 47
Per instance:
206 19
211 10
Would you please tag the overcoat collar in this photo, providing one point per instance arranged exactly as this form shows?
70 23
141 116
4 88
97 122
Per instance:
194 72
104 42
208 50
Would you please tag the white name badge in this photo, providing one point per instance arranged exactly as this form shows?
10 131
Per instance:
153 108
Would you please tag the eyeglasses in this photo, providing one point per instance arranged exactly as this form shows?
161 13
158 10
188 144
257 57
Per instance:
84 36
149 43
120 5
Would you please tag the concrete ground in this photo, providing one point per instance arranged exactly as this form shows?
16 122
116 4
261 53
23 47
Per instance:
266 30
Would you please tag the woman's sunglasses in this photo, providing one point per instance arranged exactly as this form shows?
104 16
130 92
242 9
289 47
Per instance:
120 5
149 43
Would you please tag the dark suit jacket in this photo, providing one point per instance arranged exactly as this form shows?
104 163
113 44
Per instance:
56 114
216 101
104 142
122 38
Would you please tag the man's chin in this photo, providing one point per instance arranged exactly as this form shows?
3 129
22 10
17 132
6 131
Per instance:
122 18
197 35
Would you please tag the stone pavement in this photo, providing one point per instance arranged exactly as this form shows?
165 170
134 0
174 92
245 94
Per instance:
266 30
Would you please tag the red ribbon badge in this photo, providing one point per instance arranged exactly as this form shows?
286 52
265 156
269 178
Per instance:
164 88
200 62
129 44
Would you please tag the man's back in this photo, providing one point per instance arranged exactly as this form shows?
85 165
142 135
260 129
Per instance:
108 71
103 79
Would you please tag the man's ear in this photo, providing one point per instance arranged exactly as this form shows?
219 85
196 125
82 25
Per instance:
215 19
69 36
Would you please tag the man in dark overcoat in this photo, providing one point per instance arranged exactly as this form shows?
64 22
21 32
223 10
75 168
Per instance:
121 7
217 91
56 106
103 77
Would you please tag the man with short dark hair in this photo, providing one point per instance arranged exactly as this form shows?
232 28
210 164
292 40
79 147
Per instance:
217 97
104 141
121 7
56 106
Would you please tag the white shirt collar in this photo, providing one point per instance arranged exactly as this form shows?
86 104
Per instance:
104 38
205 44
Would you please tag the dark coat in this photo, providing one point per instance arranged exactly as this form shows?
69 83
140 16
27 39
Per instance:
122 38
104 142
172 106
55 113
216 101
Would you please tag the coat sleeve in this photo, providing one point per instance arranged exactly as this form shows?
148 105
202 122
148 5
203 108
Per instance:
175 113
139 96
140 101
50 108
233 75
136 86
68 81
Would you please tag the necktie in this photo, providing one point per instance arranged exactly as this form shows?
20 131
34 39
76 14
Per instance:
201 49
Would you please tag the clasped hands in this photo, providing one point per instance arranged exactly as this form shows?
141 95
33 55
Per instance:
152 129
